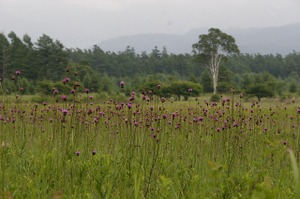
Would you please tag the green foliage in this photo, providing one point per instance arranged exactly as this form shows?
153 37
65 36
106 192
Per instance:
46 59
47 87
225 87
260 91
206 81
181 88
215 98
211 49
293 87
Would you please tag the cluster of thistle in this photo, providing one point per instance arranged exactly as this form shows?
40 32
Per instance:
75 87
15 77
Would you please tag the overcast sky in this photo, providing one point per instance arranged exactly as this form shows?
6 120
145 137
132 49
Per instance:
83 23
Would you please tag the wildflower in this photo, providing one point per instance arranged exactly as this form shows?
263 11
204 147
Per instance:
299 110
76 85
91 97
44 103
136 123
129 105
190 90
94 152
65 111
265 130
73 91
55 92
158 86
64 98
174 115
163 99
18 72
122 84
132 93
235 124
86 90
77 153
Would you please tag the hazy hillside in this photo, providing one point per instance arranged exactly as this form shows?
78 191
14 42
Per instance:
282 40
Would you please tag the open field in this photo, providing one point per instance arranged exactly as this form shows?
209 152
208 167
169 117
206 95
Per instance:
149 149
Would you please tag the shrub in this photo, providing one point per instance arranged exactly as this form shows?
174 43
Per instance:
215 98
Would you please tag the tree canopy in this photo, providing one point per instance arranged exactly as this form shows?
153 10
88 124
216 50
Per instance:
212 48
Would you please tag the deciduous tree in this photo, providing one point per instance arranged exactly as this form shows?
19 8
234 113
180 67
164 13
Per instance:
212 48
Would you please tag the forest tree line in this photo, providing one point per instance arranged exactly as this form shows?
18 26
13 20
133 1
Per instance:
46 61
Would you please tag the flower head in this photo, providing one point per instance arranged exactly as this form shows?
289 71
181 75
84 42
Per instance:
64 98
158 86
86 90
122 84
55 92
65 111
18 72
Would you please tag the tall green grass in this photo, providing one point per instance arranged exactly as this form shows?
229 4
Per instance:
194 149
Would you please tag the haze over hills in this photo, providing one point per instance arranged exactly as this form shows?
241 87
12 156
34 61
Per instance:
271 40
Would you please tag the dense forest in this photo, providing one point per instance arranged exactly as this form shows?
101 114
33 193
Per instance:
47 62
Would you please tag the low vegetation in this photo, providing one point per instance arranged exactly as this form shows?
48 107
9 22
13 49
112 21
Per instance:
77 145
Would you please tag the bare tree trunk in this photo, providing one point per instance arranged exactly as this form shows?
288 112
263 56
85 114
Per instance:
214 70
215 83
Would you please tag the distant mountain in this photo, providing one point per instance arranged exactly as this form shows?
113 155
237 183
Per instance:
271 40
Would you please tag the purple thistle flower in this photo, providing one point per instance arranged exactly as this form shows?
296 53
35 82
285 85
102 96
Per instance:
73 91
65 111
129 105
55 91
18 72
190 90
86 90
77 153
94 152
122 84
174 115
64 98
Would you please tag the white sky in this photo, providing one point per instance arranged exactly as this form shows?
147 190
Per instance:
83 23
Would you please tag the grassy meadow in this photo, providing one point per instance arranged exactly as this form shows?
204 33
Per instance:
151 148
